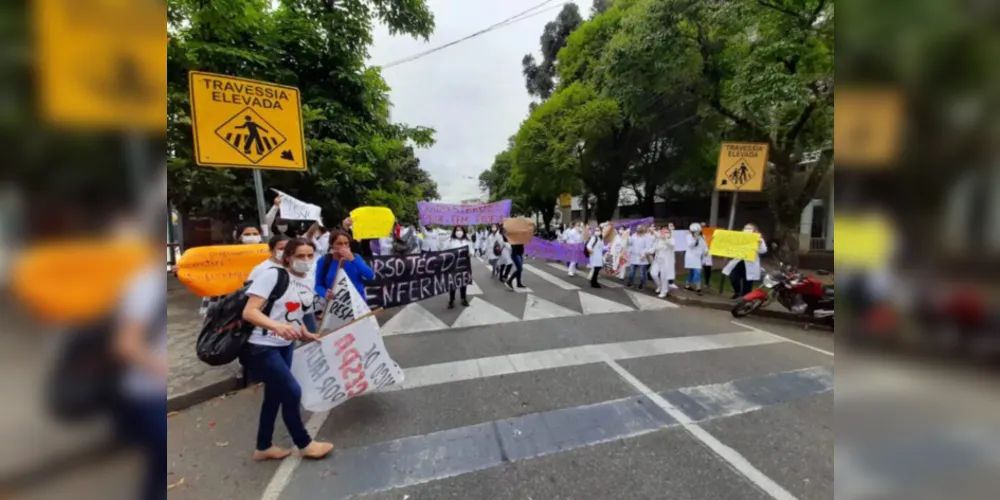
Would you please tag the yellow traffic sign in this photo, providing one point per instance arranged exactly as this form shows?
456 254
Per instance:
101 63
741 166
245 123
866 133
565 200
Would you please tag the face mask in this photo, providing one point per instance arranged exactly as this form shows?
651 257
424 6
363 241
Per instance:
282 228
748 229
301 266
250 239
279 254
460 234
493 229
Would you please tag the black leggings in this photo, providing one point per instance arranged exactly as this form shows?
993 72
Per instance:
738 278
451 294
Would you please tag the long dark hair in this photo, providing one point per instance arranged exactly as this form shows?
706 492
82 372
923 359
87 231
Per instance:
454 231
337 233
290 248
328 258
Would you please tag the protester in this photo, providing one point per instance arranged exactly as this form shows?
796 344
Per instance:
429 242
506 262
277 247
595 250
694 257
340 255
517 257
458 240
706 263
663 268
270 347
638 252
319 236
493 251
246 234
743 273
573 236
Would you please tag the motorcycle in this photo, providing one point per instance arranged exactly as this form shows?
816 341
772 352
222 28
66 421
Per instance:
800 294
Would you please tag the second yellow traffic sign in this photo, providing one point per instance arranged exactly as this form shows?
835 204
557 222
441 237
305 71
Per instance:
246 123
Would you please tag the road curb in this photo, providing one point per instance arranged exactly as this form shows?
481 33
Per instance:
761 313
188 399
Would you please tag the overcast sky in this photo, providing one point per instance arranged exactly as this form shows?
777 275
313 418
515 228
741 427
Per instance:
472 93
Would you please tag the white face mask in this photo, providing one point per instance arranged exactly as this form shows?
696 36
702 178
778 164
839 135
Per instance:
250 239
278 255
460 234
282 228
748 229
301 266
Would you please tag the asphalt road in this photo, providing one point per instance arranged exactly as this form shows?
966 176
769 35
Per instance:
560 392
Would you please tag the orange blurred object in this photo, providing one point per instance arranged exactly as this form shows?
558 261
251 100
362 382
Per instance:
219 270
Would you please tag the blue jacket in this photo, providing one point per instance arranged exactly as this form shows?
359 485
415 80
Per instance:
357 270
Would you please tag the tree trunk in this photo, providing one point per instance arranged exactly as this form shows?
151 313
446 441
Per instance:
649 200
547 215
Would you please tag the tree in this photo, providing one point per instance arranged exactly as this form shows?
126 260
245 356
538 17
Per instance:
356 156
540 78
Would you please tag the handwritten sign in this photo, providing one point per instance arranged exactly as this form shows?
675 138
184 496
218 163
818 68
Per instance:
372 222
344 364
734 244
552 250
218 270
519 230
292 208
463 215
863 242
345 306
409 278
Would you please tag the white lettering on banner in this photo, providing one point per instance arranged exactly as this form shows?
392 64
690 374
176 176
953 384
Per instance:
404 279
347 363
292 208
344 306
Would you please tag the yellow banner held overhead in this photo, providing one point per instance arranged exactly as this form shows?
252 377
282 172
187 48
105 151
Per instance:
245 123
372 222
734 244
219 270
741 166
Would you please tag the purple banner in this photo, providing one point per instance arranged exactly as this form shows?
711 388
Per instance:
447 214
553 250
631 224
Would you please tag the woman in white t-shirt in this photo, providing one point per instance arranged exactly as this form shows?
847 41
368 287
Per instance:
271 344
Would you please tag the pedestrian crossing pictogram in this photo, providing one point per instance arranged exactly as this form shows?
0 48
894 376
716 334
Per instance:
252 136
739 174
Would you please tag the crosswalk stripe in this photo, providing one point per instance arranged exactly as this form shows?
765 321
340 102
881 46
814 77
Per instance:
592 304
473 289
648 303
565 285
413 318
481 313
583 272
539 308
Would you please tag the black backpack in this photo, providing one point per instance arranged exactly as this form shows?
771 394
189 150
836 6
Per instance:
586 251
87 373
497 249
224 332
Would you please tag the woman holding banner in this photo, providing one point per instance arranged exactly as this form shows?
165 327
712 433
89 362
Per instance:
743 273
268 353
458 240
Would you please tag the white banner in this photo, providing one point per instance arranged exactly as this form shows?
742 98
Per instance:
345 306
349 362
292 208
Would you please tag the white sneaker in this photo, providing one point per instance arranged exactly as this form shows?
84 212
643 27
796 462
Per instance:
673 286
657 291
572 274
662 295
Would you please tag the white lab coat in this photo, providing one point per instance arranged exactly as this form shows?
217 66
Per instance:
664 260
429 242
695 253
638 249
572 236
454 243
753 266
596 247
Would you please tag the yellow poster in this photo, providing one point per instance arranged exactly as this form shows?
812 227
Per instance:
734 244
245 123
219 270
862 241
372 222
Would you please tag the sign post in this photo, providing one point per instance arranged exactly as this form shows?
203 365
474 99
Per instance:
741 169
246 123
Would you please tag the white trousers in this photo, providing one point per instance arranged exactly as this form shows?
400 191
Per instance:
572 268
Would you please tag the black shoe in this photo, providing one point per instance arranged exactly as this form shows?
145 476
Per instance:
509 286
521 286
699 292
596 285
628 285
688 288
465 303
451 304
640 287
734 297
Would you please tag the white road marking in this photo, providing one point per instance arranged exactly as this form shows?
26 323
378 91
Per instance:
786 339
481 313
731 456
284 472
584 272
412 319
470 369
649 303
538 308
592 304
473 289
565 285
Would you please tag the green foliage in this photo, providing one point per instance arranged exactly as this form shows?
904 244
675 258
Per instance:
356 156
540 77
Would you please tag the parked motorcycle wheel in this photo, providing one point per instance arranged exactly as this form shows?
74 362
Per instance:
745 307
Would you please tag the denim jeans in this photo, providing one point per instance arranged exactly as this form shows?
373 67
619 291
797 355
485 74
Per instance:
518 269
272 366
694 277
310 321
642 271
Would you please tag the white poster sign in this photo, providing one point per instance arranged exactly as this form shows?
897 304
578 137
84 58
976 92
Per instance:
349 362
345 306
292 208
